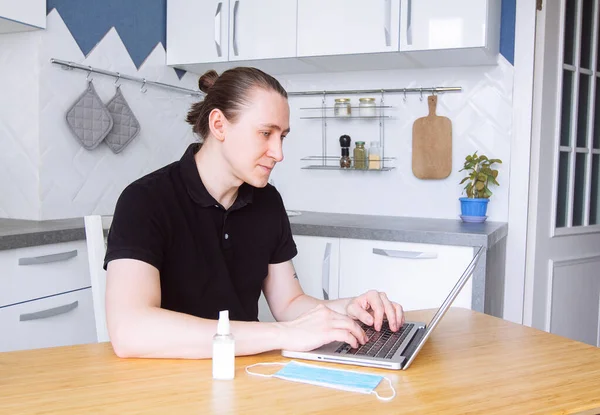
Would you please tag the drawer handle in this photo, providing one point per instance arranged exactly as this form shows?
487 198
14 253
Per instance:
46 259
387 21
218 29
51 312
404 254
236 6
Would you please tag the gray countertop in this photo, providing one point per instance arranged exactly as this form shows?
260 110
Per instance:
16 233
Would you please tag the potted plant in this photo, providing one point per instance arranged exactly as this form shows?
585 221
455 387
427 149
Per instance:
480 175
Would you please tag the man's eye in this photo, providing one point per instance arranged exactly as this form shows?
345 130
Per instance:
266 133
283 136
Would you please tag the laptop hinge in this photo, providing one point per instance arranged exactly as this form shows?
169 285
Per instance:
413 344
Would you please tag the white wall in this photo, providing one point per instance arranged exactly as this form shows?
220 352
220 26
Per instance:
481 120
19 125
73 181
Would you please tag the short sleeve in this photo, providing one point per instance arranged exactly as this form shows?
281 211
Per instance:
136 231
286 247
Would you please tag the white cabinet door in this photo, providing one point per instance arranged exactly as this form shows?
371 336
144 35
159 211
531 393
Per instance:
334 27
60 320
317 265
417 276
443 24
262 29
197 31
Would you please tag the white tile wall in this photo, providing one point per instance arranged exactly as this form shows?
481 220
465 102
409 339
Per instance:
481 120
46 174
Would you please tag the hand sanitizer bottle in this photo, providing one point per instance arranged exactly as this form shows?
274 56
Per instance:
223 350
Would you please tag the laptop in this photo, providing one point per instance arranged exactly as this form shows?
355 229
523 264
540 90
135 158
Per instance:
387 349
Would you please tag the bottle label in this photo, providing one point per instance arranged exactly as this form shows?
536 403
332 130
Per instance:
223 360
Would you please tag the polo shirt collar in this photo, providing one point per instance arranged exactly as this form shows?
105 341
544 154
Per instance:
197 190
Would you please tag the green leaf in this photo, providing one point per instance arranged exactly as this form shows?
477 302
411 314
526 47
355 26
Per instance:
488 193
479 185
496 161
464 180
482 177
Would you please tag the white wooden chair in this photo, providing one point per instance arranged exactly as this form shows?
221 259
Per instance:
96 248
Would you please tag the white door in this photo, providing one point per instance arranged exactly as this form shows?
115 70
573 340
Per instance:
334 27
562 293
197 31
317 265
262 29
443 24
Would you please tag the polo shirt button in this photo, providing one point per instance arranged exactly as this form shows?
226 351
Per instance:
226 236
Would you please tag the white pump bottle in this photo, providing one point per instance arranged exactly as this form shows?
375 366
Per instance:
223 356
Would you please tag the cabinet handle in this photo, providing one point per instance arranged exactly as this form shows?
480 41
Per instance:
51 312
236 6
409 23
325 271
404 254
387 24
218 28
45 259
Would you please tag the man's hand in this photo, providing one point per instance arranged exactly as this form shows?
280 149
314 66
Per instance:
372 307
320 326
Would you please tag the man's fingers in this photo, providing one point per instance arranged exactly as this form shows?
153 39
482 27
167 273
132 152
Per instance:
361 314
399 314
390 312
351 326
377 307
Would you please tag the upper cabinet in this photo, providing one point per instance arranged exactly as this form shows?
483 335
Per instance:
262 29
296 36
197 31
468 30
22 15
337 27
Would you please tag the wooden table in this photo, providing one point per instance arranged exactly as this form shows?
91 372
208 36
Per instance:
473 363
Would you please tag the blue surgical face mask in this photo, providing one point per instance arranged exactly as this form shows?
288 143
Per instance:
346 380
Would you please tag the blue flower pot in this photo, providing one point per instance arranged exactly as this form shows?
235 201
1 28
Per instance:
473 209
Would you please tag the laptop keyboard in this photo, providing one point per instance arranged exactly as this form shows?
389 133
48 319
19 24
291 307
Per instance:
382 344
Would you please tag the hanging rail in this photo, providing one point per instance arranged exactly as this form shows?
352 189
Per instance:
433 90
118 75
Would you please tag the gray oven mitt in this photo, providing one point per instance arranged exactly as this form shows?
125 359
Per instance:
89 119
125 126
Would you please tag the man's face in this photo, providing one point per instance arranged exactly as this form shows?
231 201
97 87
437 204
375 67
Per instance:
253 144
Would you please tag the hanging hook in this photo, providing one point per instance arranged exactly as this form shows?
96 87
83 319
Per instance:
404 99
87 78
433 91
143 90
421 97
117 80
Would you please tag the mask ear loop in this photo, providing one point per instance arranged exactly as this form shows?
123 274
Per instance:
388 398
263 364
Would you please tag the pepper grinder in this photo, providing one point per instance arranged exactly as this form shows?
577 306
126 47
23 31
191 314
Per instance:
345 161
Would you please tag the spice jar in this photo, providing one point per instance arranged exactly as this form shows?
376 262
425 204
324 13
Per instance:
366 107
360 156
342 107
374 156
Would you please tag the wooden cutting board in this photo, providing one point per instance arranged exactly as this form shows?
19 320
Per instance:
432 145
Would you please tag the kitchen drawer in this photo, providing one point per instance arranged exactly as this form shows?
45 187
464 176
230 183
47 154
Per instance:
60 320
39 271
417 276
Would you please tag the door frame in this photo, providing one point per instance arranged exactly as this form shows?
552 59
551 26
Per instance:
522 154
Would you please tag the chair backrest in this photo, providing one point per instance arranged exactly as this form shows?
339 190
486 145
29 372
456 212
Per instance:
96 248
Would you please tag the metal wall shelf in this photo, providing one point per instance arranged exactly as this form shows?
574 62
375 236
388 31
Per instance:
333 163
342 117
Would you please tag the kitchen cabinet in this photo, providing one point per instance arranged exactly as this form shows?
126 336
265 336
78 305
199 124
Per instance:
197 31
317 267
417 276
60 320
262 29
336 27
45 296
308 36
40 271
469 29
22 15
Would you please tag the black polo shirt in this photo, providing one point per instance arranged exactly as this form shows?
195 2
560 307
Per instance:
209 258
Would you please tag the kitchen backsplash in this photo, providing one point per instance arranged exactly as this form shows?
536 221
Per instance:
46 174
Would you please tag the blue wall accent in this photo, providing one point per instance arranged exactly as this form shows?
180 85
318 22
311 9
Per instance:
507 30
142 24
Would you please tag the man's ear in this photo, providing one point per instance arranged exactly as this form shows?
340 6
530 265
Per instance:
216 123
